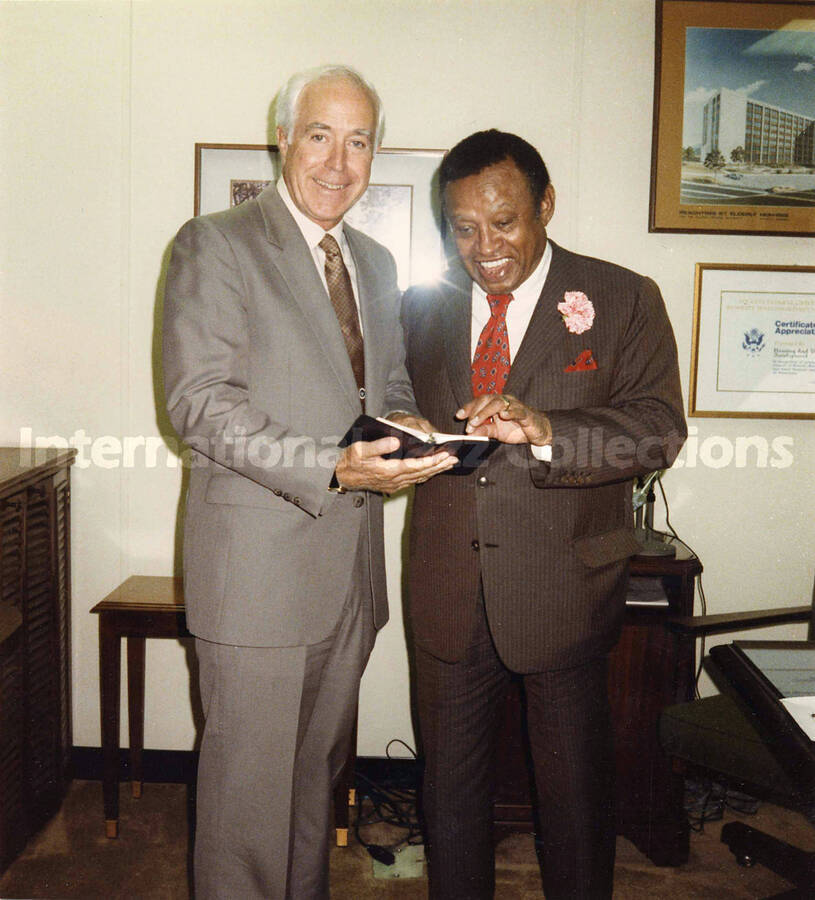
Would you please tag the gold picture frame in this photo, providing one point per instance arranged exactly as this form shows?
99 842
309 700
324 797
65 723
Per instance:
733 147
753 350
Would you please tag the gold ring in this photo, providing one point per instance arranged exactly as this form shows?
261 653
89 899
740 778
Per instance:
507 403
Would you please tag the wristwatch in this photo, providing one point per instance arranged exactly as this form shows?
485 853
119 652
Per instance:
335 487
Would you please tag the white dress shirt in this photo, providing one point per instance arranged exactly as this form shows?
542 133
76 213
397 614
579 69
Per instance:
519 311
313 234
524 299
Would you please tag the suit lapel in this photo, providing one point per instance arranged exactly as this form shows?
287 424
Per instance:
457 325
293 260
545 333
544 336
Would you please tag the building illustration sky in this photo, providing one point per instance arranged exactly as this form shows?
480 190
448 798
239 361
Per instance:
769 67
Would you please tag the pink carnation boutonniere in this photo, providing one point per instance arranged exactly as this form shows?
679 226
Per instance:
577 311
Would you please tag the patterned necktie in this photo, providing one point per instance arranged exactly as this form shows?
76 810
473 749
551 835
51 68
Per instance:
342 299
491 360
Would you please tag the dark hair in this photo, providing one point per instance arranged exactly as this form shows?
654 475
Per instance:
486 148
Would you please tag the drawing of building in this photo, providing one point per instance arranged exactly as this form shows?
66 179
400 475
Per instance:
769 135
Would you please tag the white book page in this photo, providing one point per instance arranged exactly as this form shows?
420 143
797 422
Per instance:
435 437
802 709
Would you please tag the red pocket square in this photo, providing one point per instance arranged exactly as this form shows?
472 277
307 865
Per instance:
585 362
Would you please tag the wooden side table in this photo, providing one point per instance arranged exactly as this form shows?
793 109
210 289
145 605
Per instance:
149 606
144 606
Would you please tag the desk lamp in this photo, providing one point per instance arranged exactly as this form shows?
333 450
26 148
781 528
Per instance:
653 542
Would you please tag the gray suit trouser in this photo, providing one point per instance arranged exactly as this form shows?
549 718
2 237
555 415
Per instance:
277 729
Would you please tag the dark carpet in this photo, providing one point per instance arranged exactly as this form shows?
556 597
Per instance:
71 858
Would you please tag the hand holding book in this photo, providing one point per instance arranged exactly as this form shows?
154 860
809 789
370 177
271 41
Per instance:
470 450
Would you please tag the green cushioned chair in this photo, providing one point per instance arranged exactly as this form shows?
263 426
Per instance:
721 736
718 735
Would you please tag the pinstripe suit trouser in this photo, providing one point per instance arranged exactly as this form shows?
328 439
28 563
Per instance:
570 737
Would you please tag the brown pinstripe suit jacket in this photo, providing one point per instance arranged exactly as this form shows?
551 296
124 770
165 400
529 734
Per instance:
550 541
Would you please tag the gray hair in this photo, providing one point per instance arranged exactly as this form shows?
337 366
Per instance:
286 105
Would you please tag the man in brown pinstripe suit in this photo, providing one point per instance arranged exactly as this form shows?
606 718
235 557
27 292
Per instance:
521 566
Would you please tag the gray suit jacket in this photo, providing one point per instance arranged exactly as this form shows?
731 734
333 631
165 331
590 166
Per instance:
550 542
259 384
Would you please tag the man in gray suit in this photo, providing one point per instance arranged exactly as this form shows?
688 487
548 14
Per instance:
281 325
570 362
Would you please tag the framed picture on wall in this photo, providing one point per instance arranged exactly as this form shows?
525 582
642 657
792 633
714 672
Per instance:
753 353
400 208
734 118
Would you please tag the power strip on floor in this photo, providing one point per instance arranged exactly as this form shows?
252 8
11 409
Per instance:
408 863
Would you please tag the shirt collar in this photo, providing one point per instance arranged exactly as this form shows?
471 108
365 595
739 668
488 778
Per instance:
530 290
311 231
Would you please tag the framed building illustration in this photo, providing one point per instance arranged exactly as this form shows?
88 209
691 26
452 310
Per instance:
734 118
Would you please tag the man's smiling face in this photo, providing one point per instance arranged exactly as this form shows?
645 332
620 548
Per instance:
499 233
327 157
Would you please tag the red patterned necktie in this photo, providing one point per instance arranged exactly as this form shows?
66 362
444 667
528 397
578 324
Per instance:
491 360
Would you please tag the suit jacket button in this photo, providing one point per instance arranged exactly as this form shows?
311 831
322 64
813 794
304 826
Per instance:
296 501
277 492
287 496
482 481
476 546
358 501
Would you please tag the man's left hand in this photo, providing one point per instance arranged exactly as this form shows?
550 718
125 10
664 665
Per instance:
505 418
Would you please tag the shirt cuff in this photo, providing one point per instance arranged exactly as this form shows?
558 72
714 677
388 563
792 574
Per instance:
542 454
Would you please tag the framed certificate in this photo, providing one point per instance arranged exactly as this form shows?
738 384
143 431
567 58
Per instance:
753 353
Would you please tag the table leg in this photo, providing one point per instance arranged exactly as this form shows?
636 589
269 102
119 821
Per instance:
135 710
110 686
344 792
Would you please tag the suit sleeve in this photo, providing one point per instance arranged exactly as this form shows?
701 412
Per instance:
642 427
399 392
205 355
398 395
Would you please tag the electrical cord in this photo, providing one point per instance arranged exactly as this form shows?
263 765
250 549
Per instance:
390 806
705 801
700 587
407 747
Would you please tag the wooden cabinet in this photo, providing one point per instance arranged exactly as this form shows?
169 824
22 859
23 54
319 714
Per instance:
650 668
35 642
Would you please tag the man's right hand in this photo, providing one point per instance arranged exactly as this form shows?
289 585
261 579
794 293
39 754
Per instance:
361 467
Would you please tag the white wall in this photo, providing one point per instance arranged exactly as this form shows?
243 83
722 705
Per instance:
105 103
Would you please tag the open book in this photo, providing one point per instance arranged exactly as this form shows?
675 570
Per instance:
471 450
